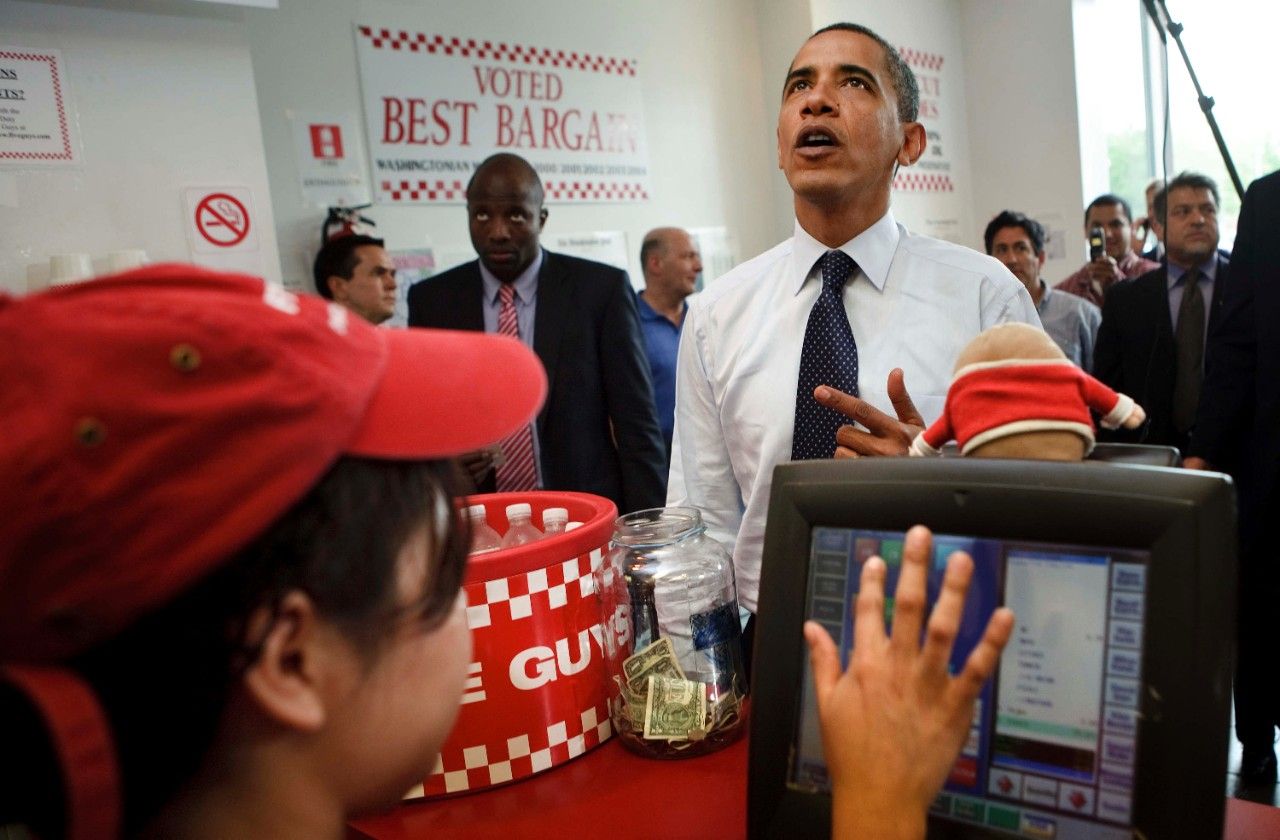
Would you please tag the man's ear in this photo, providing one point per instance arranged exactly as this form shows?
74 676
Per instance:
1040 258
287 679
337 288
542 218
913 144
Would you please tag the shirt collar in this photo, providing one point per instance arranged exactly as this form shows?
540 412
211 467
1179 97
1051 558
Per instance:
526 285
872 250
1208 270
1045 291
648 313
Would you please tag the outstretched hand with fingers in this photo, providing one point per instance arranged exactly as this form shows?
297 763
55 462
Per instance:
894 721
884 435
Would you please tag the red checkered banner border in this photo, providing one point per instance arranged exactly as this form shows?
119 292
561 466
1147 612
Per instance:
923 182
419 191
63 129
593 191
393 39
922 59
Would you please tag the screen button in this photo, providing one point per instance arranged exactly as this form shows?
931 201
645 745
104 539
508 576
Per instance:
1005 783
1076 799
1130 577
1114 806
1038 791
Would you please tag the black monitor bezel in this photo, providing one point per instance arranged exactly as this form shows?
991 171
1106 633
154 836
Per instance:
1185 520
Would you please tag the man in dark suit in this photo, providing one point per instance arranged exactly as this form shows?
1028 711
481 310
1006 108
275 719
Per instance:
1151 343
1240 413
598 431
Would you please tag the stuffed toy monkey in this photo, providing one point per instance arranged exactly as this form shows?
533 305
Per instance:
1015 395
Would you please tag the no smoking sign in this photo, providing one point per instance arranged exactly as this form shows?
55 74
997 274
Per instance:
220 220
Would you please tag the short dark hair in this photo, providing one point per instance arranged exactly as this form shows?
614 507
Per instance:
1108 200
337 258
1012 218
164 682
900 73
1194 180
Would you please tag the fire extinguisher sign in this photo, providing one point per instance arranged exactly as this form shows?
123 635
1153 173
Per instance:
331 168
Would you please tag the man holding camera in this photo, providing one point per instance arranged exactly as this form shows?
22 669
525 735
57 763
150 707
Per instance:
1108 223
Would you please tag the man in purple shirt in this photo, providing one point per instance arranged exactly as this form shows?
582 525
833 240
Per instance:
1117 261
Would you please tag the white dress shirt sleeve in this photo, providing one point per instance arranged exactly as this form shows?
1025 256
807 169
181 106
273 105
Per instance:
701 468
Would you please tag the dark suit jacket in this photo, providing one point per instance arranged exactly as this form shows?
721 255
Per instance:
1135 354
1240 402
587 334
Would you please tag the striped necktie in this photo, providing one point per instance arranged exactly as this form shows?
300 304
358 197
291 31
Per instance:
517 471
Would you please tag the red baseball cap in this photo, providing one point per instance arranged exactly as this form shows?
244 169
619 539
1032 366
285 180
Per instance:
157 421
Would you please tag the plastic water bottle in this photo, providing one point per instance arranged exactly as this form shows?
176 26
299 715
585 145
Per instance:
521 529
483 538
553 520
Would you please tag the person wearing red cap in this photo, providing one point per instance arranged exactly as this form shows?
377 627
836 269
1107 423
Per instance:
229 561
230 567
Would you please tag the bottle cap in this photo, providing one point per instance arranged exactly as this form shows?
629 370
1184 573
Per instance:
572 526
519 509
475 511
555 514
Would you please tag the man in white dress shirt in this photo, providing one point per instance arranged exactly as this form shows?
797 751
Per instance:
847 121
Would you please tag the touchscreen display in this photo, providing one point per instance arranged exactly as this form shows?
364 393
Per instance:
1054 740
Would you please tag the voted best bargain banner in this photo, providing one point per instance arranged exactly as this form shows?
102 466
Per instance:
436 105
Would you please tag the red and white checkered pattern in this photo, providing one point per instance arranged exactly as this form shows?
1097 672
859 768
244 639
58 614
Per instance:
923 182
922 59
423 190
420 42
595 191
516 595
63 130
483 765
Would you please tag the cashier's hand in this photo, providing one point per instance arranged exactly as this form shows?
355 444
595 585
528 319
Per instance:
884 435
894 721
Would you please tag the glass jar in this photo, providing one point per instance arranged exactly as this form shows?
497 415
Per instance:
671 635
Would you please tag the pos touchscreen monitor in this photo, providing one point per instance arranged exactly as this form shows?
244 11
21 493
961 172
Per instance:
1107 717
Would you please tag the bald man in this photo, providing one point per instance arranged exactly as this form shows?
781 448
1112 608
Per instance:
598 431
671 265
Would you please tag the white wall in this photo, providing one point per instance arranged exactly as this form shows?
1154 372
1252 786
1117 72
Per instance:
932 26
710 142
784 25
163 96
1023 119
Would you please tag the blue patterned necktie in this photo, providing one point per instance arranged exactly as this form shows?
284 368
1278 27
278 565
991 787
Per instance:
829 357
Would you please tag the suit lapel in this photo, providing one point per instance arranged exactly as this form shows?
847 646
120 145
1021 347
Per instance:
470 305
554 302
1219 283
1159 292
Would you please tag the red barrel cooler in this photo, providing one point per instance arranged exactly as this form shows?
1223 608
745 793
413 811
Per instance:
534 696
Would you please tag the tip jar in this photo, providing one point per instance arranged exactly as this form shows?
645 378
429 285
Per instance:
671 636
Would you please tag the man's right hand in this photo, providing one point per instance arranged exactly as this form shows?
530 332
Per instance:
1191 462
479 463
1103 272
884 435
